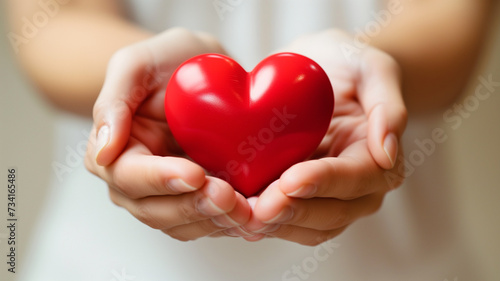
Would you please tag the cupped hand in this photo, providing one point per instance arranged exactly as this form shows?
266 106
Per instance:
358 161
132 149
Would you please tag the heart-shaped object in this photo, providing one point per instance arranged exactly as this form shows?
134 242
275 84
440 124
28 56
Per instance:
248 128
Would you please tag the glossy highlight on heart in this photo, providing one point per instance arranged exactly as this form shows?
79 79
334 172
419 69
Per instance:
248 128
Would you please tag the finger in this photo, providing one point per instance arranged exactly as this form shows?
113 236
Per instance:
351 175
154 107
327 214
271 206
215 226
137 174
165 212
256 237
274 207
239 215
134 74
305 236
194 231
379 93
123 91
253 229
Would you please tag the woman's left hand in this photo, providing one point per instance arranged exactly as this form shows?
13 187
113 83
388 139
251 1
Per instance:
358 161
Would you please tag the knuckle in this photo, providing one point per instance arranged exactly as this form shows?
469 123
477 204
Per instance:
118 107
152 179
303 217
177 234
121 186
358 187
210 41
390 62
337 33
342 218
272 231
121 183
186 212
124 55
98 110
384 61
328 169
368 186
180 31
184 34
283 231
144 214
197 39
207 226
364 184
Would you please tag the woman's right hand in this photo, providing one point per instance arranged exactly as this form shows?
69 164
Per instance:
132 149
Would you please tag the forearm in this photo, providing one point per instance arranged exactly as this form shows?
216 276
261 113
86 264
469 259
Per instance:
437 43
67 57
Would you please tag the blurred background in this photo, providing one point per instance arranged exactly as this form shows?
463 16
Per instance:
26 143
470 156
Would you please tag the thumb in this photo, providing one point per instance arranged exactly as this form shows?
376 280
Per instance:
112 133
381 98
121 95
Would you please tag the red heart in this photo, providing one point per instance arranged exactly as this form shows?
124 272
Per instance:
248 128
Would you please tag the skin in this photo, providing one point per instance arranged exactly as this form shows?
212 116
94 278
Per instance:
412 61
346 178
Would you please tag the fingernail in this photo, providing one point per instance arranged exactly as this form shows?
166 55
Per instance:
178 185
208 208
102 139
224 221
255 238
231 232
268 228
285 215
304 191
237 232
391 147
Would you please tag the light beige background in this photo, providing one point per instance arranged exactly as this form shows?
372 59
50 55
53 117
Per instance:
472 153
26 143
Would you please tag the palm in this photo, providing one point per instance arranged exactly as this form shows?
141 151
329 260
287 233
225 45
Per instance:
349 122
150 129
